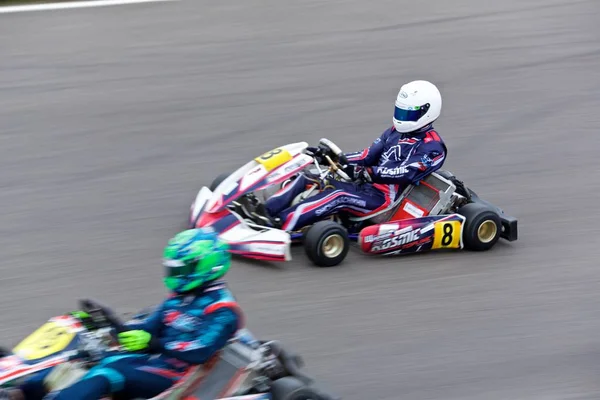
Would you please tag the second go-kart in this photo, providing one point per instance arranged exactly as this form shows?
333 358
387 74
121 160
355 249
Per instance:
246 369
437 213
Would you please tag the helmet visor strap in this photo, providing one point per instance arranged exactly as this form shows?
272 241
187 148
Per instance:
410 114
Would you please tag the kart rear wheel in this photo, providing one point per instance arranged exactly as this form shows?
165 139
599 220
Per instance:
217 181
290 388
326 243
482 227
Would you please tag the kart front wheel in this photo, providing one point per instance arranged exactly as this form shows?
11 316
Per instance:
290 388
482 227
217 181
326 243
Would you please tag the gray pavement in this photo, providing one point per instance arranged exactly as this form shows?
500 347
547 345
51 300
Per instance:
112 118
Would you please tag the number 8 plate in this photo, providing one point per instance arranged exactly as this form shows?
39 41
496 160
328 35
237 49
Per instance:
447 235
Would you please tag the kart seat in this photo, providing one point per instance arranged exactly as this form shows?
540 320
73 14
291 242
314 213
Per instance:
432 194
381 216
217 376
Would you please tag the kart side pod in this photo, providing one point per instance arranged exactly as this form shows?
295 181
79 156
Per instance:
414 235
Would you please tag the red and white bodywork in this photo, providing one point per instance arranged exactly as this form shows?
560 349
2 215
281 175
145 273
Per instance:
264 173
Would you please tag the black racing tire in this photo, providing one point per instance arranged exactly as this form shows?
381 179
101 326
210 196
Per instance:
326 243
4 352
290 388
217 181
482 227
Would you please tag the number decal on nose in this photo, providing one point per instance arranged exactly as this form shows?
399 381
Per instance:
274 158
49 339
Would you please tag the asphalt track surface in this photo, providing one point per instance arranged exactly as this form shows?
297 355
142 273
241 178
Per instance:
112 118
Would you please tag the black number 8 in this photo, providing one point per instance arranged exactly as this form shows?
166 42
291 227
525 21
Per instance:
270 154
447 238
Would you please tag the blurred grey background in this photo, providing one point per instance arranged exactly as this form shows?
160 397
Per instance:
112 118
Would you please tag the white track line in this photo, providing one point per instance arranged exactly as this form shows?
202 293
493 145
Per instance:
71 5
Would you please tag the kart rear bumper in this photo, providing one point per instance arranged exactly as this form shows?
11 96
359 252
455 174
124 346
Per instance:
509 228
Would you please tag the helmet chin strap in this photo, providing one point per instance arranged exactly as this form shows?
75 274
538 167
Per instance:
425 128
420 130
198 289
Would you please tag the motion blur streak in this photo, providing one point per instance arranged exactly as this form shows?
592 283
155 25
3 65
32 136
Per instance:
72 5
112 118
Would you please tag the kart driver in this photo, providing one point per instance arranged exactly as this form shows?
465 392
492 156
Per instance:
405 153
188 328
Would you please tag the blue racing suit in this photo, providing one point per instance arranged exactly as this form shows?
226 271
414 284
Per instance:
186 330
394 160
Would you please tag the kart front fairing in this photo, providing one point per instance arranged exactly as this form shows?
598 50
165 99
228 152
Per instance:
266 172
54 343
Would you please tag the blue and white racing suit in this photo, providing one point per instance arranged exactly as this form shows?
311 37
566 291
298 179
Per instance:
187 330
393 160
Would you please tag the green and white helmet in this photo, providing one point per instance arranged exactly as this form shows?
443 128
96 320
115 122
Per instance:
193 258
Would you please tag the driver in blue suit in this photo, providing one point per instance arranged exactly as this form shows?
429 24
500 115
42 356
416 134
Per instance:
405 153
187 329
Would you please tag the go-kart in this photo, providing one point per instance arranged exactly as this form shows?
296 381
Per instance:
437 213
245 369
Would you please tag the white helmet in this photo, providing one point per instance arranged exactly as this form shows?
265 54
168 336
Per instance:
418 104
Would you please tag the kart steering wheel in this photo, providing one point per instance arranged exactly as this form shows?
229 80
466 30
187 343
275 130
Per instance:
335 166
101 314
